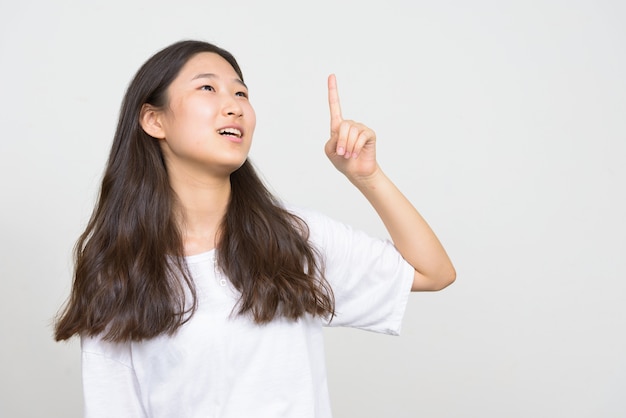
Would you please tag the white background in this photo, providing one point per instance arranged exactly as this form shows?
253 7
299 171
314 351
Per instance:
503 121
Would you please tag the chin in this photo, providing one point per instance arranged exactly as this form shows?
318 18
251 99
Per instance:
227 168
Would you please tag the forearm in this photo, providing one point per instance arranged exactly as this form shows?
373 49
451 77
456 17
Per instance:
352 150
409 232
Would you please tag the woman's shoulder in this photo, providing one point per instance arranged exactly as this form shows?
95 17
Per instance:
314 219
96 346
322 228
308 213
294 208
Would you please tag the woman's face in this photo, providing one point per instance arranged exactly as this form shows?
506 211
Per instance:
209 122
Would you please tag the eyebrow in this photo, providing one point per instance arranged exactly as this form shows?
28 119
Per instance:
211 75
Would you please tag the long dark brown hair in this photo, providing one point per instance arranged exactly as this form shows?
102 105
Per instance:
131 281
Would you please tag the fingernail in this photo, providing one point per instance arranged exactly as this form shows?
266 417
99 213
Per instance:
340 151
346 155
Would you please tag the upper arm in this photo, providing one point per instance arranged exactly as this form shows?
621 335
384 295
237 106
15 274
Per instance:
422 283
110 388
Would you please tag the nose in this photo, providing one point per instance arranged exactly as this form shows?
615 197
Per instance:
232 107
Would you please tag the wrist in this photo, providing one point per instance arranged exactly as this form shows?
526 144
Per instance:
370 181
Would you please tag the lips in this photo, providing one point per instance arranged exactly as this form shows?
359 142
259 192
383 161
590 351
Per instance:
231 132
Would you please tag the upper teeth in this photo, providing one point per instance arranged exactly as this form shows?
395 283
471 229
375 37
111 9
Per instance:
231 131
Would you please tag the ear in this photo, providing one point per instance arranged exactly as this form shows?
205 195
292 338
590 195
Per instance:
150 121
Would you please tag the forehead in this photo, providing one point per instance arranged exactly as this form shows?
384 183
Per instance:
207 63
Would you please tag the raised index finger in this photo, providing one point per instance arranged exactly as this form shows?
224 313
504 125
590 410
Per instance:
333 102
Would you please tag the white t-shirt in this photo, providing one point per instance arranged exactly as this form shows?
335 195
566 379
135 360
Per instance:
220 364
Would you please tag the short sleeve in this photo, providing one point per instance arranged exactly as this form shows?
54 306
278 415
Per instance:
110 387
370 279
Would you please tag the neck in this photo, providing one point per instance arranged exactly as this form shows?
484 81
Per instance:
202 204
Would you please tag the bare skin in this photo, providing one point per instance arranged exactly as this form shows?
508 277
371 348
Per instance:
208 97
352 150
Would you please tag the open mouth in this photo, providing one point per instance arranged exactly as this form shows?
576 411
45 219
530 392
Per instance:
230 132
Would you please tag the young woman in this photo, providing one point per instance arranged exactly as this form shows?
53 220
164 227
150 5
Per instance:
196 292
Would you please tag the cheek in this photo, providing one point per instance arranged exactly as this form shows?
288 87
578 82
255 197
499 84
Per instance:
251 118
201 109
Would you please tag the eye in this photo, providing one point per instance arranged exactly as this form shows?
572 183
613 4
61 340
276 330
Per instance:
242 94
207 88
